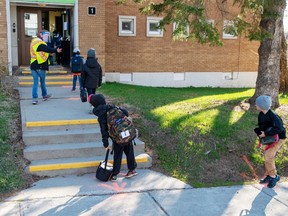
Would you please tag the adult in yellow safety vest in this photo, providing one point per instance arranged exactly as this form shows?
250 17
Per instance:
39 63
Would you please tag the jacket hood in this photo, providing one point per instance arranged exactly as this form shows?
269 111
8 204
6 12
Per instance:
91 62
101 109
96 99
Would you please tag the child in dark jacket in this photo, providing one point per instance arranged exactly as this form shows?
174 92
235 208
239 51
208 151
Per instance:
91 74
100 110
269 124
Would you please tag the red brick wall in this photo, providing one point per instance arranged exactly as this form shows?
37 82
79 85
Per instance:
92 29
145 54
3 35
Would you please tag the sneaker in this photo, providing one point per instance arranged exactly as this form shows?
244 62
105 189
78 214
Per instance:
47 97
91 109
273 181
35 102
73 90
114 178
265 180
130 174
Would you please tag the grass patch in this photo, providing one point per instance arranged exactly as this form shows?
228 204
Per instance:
197 135
12 176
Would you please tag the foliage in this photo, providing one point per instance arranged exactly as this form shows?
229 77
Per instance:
184 13
245 15
252 12
195 131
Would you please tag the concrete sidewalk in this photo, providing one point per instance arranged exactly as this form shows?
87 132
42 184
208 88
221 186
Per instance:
149 193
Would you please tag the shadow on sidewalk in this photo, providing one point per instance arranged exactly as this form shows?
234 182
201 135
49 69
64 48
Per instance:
260 202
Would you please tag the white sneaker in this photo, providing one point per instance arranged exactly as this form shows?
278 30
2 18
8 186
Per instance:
91 109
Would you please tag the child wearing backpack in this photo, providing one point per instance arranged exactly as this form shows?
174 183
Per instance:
269 124
76 65
103 112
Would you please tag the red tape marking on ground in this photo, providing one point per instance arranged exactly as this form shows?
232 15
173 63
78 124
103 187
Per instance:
244 157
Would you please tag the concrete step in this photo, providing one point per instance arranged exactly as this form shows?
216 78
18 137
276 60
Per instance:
62 136
80 124
53 69
55 167
71 150
47 72
55 112
50 80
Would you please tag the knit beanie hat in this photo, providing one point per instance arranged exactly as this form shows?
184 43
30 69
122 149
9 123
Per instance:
264 102
76 50
97 99
91 53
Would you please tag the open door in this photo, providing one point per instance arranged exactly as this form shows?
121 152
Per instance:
30 25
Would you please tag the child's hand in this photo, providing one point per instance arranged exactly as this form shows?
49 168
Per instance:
262 134
263 147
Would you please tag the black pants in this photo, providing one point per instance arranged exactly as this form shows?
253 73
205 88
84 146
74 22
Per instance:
130 157
91 91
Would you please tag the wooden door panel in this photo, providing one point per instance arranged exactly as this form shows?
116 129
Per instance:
30 25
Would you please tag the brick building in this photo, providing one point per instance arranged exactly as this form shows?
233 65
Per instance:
128 47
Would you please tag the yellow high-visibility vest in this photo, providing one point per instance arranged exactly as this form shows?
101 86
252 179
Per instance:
41 56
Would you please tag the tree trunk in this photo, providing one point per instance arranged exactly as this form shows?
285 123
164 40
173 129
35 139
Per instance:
283 67
268 79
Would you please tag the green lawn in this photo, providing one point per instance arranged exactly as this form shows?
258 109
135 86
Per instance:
198 135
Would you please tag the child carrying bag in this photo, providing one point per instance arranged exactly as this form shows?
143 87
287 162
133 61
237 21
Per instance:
105 169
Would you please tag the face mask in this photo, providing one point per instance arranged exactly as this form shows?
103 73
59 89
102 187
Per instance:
46 37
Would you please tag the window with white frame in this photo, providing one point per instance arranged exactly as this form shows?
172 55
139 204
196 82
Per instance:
204 33
211 21
127 26
185 32
152 29
227 24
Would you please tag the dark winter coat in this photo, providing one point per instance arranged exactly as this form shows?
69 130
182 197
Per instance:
91 74
101 112
271 124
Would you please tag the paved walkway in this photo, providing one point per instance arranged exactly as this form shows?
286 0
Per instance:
148 193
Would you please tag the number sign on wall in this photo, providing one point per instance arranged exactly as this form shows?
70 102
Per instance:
91 11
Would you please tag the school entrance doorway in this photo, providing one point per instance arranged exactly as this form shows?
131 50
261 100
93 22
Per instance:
56 21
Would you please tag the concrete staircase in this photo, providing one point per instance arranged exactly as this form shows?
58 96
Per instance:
56 76
60 135
70 149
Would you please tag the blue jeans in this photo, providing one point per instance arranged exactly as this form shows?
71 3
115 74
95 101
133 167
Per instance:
75 80
42 75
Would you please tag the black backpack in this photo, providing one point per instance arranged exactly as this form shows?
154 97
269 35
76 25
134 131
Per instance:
76 64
